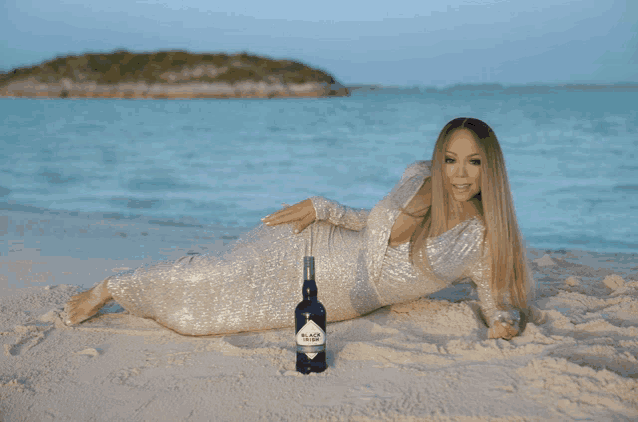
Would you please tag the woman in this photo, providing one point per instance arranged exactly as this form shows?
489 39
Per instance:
445 221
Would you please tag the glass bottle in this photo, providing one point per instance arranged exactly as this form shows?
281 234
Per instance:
310 324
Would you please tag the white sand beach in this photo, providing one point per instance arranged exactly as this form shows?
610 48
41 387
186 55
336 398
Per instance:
427 360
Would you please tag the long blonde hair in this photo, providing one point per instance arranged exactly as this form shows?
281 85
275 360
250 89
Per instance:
510 272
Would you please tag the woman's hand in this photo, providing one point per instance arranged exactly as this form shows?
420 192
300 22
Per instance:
502 330
301 215
505 324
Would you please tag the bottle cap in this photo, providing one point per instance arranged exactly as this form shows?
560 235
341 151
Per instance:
308 267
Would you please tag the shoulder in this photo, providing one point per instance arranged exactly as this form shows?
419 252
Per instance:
409 185
418 168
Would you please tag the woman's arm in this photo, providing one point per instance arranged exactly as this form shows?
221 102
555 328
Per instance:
318 208
339 215
503 320
412 215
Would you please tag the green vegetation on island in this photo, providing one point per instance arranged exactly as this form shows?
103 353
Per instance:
171 68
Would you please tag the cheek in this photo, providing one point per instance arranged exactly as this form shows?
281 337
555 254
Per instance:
476 174
448 172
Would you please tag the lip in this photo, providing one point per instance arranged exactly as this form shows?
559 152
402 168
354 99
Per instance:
464 189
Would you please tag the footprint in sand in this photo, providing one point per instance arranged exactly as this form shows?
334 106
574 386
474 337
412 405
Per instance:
28 336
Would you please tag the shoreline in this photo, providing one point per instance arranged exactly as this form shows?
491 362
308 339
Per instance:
42 246
63 247
66 88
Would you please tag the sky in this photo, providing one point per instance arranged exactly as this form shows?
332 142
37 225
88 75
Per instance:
395 43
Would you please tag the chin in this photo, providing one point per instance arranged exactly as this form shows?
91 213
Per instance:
463 198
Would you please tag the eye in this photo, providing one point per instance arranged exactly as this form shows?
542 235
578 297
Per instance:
476 162
448 159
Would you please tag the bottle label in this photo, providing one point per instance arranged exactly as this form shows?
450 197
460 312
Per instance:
311 339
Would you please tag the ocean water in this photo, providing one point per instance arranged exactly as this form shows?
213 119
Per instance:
572 157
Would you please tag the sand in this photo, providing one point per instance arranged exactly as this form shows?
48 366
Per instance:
425 360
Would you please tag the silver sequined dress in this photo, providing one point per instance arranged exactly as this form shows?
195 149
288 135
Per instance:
257 284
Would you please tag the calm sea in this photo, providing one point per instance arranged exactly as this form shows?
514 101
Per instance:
572 157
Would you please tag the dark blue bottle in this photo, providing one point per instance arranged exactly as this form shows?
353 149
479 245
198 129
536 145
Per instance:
310 324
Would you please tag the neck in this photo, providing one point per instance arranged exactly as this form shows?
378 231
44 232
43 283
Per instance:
466 209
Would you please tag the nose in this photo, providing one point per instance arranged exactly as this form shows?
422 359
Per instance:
461 170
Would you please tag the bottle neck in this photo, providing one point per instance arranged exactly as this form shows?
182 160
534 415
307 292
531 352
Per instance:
309 290
309 286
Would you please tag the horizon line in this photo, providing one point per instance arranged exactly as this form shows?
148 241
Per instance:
493 84
347 85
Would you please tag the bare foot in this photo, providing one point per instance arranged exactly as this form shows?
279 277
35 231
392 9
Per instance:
86 304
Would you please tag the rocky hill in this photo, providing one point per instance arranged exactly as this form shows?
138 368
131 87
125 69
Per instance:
169 74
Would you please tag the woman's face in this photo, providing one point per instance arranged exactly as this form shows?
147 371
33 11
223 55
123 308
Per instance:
462 166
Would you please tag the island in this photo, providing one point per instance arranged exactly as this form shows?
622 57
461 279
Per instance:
170 74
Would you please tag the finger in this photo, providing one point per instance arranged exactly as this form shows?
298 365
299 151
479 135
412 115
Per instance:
289 210
269 216
285 218
513 332
511 326
492 332
498 330
299 227
282 216
307 220
276 214
504 331
296 212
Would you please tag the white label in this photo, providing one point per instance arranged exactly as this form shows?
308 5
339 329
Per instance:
311 335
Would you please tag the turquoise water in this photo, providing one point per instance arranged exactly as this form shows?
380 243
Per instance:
572 157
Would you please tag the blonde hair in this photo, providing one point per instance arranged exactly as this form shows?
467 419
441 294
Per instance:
510 272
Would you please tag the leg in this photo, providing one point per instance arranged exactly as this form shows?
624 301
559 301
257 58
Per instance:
86 304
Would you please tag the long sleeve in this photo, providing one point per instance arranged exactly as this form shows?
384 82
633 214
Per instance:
385 212
357 219
257 284
339 215
481 272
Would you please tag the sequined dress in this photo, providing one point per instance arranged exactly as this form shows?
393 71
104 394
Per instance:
257 284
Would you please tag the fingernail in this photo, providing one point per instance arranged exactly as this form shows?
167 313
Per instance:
296 231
